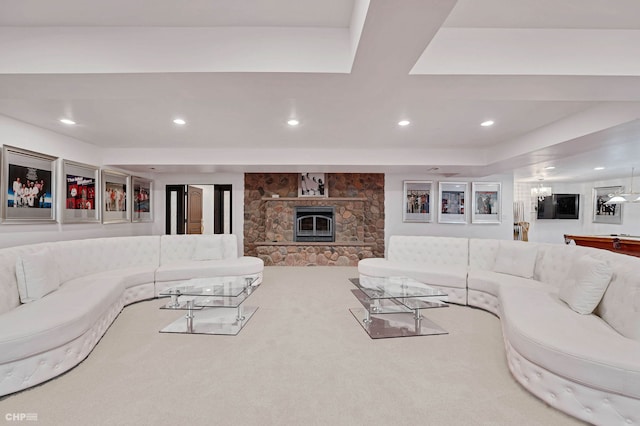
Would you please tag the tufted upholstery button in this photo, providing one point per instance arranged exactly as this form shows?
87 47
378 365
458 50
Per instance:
606 401
629 421
552 395
588 410
568 390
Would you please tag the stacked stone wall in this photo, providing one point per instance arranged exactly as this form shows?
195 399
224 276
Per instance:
358 199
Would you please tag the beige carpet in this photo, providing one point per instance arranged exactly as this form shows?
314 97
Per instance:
301 360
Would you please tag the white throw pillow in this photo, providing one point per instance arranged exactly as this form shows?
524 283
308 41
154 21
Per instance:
516 259
586 283
37 275
208 249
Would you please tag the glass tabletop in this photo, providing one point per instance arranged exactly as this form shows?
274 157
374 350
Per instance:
212 287
397 288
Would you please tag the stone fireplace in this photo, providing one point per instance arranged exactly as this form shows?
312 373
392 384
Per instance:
313 224
339 229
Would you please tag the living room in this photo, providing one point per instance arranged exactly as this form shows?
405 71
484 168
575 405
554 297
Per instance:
370 97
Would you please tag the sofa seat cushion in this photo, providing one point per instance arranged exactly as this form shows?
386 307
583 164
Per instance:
187 269
57 318
490 282
128 277
580 348
438 275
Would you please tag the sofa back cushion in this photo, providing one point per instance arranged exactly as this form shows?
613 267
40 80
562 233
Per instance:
78 258
482 253
554 262
516 258
175 248
585 284
620 305
208 249
9 296
37 275
429 250
505 256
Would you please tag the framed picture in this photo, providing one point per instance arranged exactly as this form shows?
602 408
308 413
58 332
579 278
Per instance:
142 198
312 185
451 204
486 199
606 213
116 197
28 191
82 189
417 201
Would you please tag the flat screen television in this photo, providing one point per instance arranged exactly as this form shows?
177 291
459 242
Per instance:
559 206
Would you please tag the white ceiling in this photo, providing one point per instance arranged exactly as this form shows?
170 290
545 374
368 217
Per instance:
560 79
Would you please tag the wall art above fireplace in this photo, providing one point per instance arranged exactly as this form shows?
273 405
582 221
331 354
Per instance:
312 185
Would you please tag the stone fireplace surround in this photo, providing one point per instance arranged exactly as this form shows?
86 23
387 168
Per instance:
358 199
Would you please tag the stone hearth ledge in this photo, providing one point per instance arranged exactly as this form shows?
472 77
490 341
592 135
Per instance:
313 243
314 198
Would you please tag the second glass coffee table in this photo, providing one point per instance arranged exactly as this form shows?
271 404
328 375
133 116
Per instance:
392 306
214 305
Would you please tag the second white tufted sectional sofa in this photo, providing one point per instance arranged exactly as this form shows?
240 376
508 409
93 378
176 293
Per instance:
587 365
96 278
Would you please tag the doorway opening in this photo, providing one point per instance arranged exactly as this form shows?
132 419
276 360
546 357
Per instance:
198 209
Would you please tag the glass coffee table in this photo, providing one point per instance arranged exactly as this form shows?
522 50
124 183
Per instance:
214 305
392 306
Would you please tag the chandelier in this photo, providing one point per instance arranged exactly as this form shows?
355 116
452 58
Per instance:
540 192
629 197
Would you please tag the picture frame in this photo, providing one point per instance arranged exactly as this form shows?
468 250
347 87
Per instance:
451 202
312 185
142 210
606 213
486 202
81 186
28 193
116 201
417 201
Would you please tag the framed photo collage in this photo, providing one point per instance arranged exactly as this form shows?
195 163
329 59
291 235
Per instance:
451 202
40 188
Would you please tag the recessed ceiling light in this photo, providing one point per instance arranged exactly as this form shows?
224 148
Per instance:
179 121
293 122
550 167
67 121
598 168
487 123
404 123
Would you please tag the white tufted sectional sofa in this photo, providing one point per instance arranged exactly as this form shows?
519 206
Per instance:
587 365
439 261
182 258
42 338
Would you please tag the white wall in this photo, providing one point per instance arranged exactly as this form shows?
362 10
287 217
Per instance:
553 230
394 204
236 180
21 135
